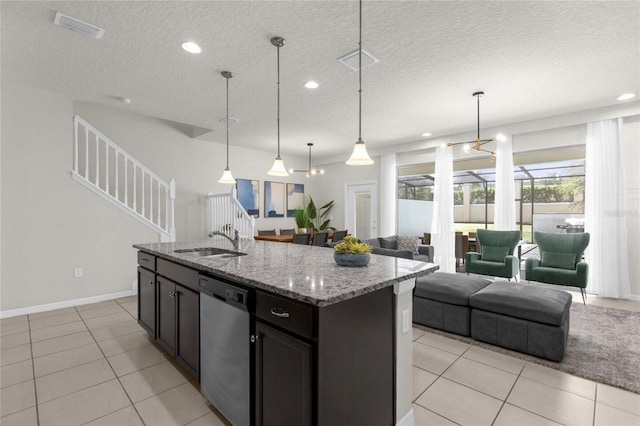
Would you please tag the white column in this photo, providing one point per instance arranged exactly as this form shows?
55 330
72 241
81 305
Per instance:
504 218
404 352
388 199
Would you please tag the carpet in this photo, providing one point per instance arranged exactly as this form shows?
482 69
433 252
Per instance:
603 346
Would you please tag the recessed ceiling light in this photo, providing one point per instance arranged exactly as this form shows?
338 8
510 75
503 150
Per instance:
311 85
426 135
191 47
626 96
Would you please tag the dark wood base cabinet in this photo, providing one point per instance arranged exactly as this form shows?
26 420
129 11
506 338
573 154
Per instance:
170 308
325 366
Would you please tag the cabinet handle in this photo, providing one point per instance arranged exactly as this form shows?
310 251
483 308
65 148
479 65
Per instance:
172 294
145 260
279 312
151 282
254 338
177 293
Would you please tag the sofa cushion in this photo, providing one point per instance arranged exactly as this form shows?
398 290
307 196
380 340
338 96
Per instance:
373 242
389 242
558 260
494 254
395 253
408 242
449 288
422 257
527 302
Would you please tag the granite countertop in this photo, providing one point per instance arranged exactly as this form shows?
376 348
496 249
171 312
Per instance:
304 273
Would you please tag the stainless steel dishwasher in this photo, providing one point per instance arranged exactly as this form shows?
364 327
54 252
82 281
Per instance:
225 353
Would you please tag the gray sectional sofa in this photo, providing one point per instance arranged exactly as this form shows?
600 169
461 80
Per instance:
524 318
388 246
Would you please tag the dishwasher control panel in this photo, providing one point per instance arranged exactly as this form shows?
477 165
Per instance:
224 291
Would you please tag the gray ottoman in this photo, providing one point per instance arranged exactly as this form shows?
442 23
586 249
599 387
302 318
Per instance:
441 300
522 317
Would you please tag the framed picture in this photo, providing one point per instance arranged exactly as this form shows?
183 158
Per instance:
249 195
274 199
295 198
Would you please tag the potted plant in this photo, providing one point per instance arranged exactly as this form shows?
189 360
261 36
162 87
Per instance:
316 216
302 221
350 252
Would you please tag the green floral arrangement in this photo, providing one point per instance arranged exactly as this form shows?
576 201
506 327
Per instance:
350 245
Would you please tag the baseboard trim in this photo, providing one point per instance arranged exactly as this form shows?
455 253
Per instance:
65 304
407 420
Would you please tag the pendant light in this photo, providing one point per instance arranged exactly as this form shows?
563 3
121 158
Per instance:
359 157
226 175
310 172
278 165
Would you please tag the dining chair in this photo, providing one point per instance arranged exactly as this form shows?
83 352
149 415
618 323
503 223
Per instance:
320 238
339 236
262 232
287 231
302 239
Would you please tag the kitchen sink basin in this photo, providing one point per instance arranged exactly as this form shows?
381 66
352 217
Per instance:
209 253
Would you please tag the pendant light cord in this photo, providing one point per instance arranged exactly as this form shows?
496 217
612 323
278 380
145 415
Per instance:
227 123
278 119
360 79
478 101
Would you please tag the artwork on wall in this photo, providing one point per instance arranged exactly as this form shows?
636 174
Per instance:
249 195
295 198
274 199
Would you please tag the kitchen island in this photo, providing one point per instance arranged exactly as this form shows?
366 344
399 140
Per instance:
340 355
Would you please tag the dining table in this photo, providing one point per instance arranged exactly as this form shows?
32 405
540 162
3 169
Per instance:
287 238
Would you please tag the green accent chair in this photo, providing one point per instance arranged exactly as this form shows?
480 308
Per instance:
561 260
496 254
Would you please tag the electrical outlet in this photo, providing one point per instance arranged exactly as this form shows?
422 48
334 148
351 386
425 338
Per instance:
77 273
406 321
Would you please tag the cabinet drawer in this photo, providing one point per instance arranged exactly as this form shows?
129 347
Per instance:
181 274
290 315
147 260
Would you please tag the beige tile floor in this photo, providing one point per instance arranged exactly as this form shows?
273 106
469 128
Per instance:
94 365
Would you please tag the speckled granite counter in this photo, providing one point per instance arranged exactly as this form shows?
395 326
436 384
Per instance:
305 273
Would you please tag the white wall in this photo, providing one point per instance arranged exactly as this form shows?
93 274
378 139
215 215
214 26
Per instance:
50 223
331 186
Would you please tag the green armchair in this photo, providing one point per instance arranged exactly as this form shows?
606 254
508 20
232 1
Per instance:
496 258
561 260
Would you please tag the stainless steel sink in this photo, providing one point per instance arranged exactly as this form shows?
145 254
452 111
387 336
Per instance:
209 253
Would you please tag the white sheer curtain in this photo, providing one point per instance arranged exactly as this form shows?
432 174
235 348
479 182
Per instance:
605 210
442 232
505 205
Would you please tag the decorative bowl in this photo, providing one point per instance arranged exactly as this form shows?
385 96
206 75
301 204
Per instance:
350 259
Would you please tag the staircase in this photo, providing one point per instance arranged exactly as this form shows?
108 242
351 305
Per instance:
227 214
109 171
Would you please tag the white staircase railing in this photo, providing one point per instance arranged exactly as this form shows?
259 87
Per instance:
109 171
227 214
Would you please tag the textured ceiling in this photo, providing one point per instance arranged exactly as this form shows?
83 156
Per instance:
532 59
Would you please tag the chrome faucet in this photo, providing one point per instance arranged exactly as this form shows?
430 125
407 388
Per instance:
235 240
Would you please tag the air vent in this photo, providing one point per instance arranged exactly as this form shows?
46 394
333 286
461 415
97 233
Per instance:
351 60
78 26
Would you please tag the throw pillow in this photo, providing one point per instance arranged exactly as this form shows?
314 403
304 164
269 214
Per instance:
373 242
558 260
408 242
389 242
494 254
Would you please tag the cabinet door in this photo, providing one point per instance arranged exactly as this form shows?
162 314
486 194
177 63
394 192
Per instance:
167 315
147 301
283 378
188 348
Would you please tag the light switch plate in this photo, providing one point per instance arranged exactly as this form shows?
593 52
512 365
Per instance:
77 273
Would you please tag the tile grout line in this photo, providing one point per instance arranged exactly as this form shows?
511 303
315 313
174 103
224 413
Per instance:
33 369
117 378
595 405
504 401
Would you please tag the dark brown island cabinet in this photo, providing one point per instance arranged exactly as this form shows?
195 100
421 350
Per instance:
330 365
169 308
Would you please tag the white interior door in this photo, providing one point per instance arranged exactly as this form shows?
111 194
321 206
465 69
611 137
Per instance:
360 209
